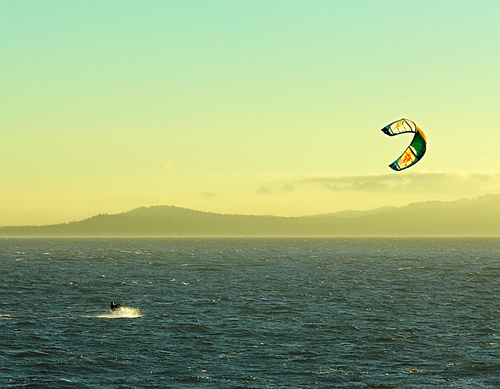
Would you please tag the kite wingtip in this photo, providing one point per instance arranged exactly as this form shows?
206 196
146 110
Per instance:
385 130
394 166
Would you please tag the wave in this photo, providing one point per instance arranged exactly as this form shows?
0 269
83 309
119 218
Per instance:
121 313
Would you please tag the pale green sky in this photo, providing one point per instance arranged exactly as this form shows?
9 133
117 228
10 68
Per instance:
260 107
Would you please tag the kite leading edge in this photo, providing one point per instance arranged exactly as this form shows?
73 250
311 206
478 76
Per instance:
415 150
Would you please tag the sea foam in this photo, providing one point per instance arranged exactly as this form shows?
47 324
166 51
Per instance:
121 313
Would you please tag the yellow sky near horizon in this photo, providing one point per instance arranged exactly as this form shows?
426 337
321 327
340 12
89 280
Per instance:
248 107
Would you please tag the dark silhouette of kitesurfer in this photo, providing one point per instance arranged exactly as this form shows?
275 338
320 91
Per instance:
114 306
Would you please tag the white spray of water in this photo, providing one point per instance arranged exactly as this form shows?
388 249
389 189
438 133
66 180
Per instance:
121 313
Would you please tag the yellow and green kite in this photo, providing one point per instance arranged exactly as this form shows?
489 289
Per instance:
415 150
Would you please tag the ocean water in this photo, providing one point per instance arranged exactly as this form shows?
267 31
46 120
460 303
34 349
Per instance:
250 313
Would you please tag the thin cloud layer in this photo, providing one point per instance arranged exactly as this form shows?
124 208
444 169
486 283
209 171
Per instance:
440 182
286 188
264 190
208 195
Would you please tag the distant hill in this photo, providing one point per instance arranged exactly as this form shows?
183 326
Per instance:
466 217
351 214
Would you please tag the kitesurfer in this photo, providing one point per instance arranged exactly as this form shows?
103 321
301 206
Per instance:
114 306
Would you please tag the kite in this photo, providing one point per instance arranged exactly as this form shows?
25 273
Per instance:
415 150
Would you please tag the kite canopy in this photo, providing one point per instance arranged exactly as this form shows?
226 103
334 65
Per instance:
415 150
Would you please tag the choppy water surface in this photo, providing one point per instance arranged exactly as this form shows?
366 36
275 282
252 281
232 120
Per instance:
250 313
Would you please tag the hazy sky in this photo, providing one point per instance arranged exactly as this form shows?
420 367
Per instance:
260 107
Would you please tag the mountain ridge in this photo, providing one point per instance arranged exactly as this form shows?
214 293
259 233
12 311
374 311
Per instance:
465 217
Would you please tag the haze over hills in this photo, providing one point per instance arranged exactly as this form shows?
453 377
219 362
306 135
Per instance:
466 217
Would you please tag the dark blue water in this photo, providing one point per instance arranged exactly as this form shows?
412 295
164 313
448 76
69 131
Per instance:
250 313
